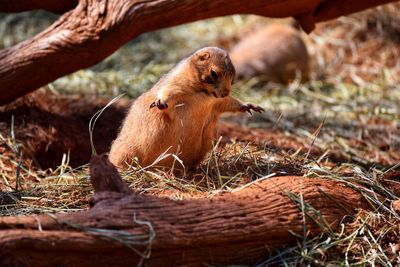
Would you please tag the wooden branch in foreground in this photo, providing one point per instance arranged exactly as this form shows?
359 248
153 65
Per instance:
95 29
123 229
332 9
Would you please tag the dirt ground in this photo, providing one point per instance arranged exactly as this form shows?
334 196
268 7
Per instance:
47 126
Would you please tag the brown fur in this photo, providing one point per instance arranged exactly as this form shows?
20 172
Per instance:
179 114
276 51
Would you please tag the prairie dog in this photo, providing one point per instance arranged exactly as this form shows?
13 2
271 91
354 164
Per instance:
276 51
180 113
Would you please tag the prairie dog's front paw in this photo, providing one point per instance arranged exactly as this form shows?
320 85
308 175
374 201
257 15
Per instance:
249 107
161 104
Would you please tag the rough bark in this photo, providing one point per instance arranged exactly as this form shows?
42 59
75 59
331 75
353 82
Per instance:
332 9
232 228
93 30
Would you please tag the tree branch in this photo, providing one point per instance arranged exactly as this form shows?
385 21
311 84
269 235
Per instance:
232 228
332 9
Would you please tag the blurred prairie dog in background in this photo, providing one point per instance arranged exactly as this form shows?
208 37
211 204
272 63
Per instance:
180 113
275 51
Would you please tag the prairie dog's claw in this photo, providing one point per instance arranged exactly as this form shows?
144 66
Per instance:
249 107
160 104
259 109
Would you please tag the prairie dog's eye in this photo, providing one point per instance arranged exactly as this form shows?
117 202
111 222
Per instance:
214 75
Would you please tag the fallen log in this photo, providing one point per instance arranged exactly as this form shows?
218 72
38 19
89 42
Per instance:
93 30
125 229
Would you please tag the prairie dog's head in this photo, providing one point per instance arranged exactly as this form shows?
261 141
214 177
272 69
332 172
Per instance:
214 69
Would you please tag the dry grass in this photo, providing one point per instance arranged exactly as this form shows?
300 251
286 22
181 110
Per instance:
345 121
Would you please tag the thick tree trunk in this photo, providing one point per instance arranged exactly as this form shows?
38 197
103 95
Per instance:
96 28
123 228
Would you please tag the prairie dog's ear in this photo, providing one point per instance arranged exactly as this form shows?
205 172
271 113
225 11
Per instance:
202 56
